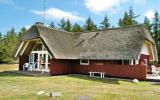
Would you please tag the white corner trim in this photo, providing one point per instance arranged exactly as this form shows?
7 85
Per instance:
24 47
19 49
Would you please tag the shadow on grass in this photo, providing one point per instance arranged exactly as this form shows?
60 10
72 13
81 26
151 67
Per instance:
22 74
103 80
10 74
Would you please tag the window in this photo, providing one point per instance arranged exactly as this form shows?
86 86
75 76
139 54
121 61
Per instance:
84 62
126 62
117 62
121 62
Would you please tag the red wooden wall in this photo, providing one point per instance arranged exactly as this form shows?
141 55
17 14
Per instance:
22 60
59 67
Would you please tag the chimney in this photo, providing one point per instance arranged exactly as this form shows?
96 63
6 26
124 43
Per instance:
38 23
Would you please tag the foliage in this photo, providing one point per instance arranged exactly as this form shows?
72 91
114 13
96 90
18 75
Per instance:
62 24
155 28
68 26
9 43
21 33
128 18
77 28
0 36
156 31
89 25
105 23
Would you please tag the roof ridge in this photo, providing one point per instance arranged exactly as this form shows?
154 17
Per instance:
130 26
52 28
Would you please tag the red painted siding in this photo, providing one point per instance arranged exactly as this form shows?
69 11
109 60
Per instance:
59 67
22 60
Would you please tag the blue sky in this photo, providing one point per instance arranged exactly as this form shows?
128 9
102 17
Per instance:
19 13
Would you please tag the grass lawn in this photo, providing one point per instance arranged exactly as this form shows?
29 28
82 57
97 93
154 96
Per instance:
72 87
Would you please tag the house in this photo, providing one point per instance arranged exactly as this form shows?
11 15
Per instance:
119 52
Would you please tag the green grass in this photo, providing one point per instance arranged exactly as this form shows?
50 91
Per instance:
72 87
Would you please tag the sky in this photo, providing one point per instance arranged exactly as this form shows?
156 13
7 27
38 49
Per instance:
19 13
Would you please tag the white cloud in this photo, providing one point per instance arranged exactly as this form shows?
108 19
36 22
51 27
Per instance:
54 13
150 14
99 6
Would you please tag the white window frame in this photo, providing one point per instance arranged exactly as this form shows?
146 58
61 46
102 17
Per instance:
82 63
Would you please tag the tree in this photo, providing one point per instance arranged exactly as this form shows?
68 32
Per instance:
0 36
156 22
10 42
77 28
128 18
120 23
105 23
21 33
89 25
147 23
1 48
51 25
125 20
132 16
62 24
68 26
156 32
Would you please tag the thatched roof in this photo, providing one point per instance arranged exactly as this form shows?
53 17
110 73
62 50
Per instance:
116 43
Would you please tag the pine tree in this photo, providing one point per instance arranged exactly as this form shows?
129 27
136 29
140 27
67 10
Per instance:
156 25
128 18
1 38
124 21
21 33
77 28
1 48
105 23
51 25
132 17
156 31
89 25
0 35
147 23
68 26
62 24
120 23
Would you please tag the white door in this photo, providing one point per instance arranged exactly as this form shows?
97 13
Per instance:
34 58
